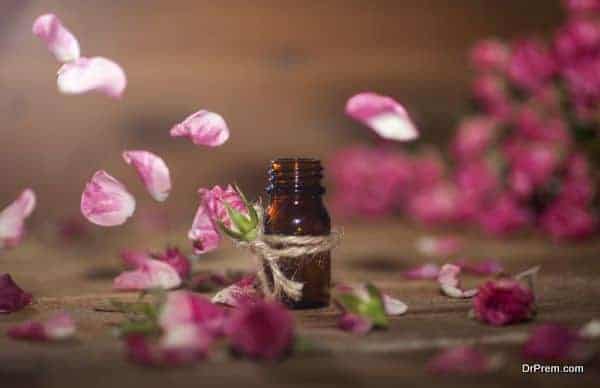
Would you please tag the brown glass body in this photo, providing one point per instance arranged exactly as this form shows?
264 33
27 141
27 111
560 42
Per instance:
295 208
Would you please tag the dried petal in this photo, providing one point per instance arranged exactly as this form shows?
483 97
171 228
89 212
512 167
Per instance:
239 294
427 271
393 306
184 308
12 297
59 40
203 128
105 201
152 274
450 284
382 114
482 268
92 74
153 171
463 360
355 323
59 327
12 219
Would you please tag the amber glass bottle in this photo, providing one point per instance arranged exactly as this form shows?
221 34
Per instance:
295 208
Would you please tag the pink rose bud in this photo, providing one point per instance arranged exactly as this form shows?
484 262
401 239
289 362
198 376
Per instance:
383 115
153 171
490 55
151 274
263 330
12 297
203 128
92 74
502 302
59 327
105 201
59 40
12 219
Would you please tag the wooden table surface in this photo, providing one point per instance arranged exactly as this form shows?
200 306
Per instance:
77 276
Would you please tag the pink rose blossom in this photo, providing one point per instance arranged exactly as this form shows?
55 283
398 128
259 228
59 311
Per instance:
582 6
553 342
383 115
490 55
578 39
263 330
436 205
490 92
12 219
428 170
203 128
12 297
92 74
566 221
450 284
531 65
427 271
105 201
583 83
59 40
532 126
473 138
153 171
354 323
205 229
439 246
461 360
239 293
502 302
477 182
59 327
151 274
184 308
505 216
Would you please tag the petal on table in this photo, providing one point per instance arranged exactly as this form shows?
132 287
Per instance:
393 306
355 323
186 308
59 40
12 297
92 74
59 327
450 284
105 201
153 171
152 274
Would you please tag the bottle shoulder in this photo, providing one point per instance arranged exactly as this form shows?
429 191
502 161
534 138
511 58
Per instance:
297 217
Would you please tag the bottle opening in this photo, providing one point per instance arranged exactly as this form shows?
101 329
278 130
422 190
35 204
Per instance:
294 175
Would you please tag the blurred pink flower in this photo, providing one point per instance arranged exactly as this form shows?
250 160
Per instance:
57 328
553 342
92 74
450 284
435 205
531 65
428 169
183 308
490 55
205 230
502 302
577 40
485 267
153 171
568 221
460 360
238 294
504 216
262 330
203 128
426 271
491 93
439 246
12 297
473 137
105 201
383 115
181 346
531 126
536 161
583 83
59 40
354 323
150 274
582 6
177 260
477 182
12 219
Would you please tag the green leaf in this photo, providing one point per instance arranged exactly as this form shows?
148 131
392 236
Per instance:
241 222
251 211
229 232
371 308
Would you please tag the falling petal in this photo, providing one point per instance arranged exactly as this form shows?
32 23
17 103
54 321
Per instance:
12 297
57 328
427 271
355 323
105 201
92 74
383 115
203 128
153 171
152 274
12 219
59 40
450 285
393 306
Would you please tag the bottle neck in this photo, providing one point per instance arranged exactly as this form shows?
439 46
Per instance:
298 178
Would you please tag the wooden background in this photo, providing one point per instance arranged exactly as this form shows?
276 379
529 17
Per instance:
278 70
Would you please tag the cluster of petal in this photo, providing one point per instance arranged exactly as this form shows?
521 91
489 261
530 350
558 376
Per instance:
12 219
105 201
461 360
240 293
59 40
149 275
203 128
553 342
262 330
383 115
153 171
12 297
450 284
57 328
183 308
504 301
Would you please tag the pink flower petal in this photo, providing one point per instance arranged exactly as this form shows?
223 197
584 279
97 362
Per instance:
105 201
12 297
393 306
355 323
177 260
383 115
59 40
92 74
552 342
184 308
203 128
59 327
181 346
504 301
134 259
439 246
153 171
449 283
482 268
12 219
427 271
239 294
152 274
460 360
